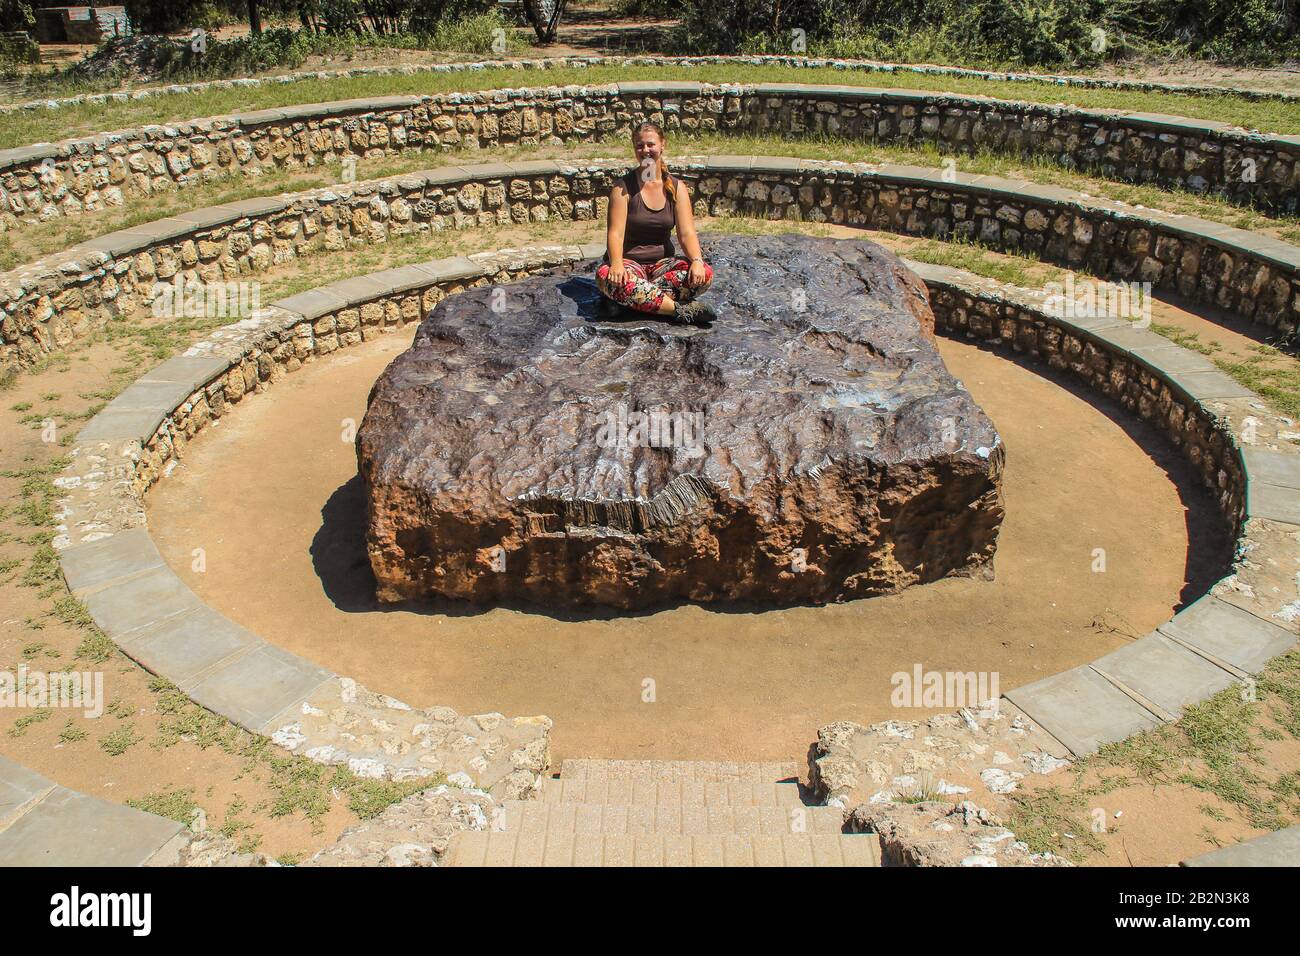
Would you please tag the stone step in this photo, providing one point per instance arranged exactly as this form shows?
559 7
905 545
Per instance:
691 819
505 848
635 791
677 771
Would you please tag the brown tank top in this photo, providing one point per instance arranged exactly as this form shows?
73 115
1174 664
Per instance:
648 235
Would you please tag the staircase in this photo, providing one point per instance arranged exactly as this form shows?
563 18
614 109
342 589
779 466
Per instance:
658 813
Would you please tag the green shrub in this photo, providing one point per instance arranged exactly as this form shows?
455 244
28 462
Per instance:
1044 33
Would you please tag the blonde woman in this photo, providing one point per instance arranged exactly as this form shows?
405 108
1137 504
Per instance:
640 269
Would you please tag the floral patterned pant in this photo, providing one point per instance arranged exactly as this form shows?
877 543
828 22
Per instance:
644 287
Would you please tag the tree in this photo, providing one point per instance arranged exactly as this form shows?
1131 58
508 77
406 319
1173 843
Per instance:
254 17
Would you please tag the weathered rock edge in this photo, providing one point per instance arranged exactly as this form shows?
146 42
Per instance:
820 450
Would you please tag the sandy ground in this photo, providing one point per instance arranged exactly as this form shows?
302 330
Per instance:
272 499
30 635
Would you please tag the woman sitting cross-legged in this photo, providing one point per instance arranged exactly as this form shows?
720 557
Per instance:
640 269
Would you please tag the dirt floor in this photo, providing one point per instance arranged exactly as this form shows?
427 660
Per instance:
271 496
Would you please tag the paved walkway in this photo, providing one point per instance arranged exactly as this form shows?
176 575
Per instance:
660 813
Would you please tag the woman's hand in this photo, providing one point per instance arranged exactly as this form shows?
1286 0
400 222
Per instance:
617 274
696 276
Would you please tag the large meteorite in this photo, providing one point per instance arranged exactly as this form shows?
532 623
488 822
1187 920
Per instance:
810 446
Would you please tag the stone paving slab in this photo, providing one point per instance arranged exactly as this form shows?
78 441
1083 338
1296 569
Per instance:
487 848
1272 467
405 278
258 117
359 289
186 647
312 304
1171 358
1279 848
89 567
153 395
456 267
1203 386
653 87
1229 634
691 819
1164 672
19 787
125 605
190 371
67 828
729 163
641 792
1272 501
254 688
119 424
676 771
1082 709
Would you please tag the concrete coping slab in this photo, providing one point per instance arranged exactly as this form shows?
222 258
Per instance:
1228 633
358 289
254 688
1279 848
532 167
729 163
90 567
313 303
192 371
66 828
135 602
21 155
1272 467
187 647
19 787
122 424
1206 386
1164 672
456 267
1272 501
641 87
258 117
1082 709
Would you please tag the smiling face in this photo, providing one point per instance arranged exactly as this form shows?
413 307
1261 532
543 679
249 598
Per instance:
649 148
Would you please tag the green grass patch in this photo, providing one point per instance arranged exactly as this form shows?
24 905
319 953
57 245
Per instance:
1280 385
1053 820
119 741
174 804
27 720
71 733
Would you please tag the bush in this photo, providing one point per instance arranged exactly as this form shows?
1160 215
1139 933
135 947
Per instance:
1044 33
167 16
16 15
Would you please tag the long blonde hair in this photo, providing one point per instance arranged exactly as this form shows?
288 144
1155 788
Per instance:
660 166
